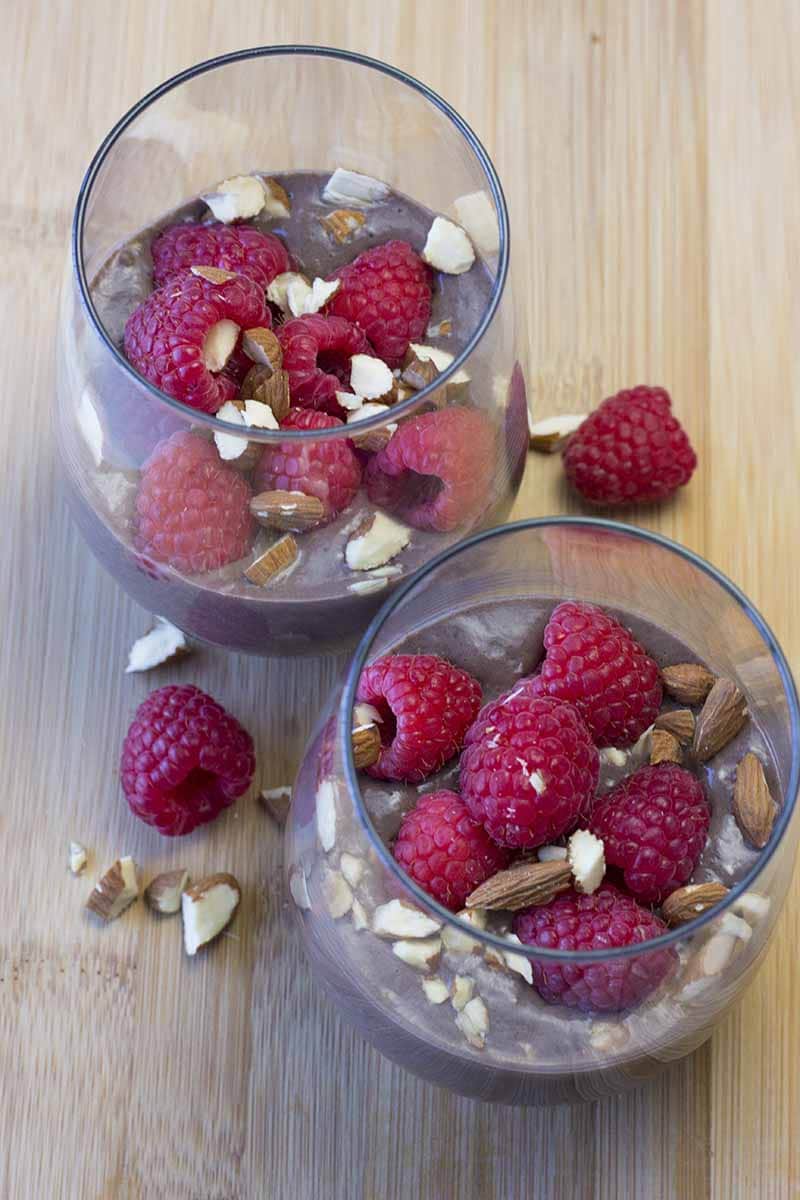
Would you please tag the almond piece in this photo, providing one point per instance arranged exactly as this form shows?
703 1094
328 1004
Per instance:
219 344
419 373
277 802
463 991
77 857
441 359
326 814
448 248
458 941
476 213
664 747
689 902
688 683
164 892
753 805
550 434
586 857
238 198
336 893
115 890
366 746
270 389
208 907
352 867
436 990
261 345
421 953
278 290
213 274
370 377
524 884
376 542
349 187
397 919
722 716
473 1021
680 723
276 202
278 558
164 643
293 511
342 224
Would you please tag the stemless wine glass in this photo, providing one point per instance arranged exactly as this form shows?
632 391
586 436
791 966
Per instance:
443 997
286 112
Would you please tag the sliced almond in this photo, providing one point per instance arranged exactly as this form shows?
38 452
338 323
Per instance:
448 248
272 390
376 543
164 643
366 746
421 953
458 941
680 723
294 511
164 892
664 747
261 345
524 884
278 290
237 199
336 893
277 801
278 558
419 373
370 377
753 805
229 445
343 223
116 890
212 274
441 359
322 290
586 857
350 187
689 902
77 857
473 1021
258 415
721 718
436 990
326 814
688 683
276 202
219 344
551 433
399 919
476 213
208 907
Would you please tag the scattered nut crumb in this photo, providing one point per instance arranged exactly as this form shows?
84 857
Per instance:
349 187
277 802
436 991
77 857
116 890
162 644
352 867
475 213
458 941
448 248
360 918
473 1021
207 908
376 543
298 886
399 919
421 953
336 893
463 991
164 892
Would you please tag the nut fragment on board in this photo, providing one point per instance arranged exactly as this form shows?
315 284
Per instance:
376 542
262 346
237 198
276 559
77 857
586 857
399 919
688 683
366 746
116 890
448 248
521 885
277 801
551 433
753 805
293 511
164 892
689 902
473 1021
207 907
721 718
680 723
276 199
350 187
164 643
342 223
421 953
664 747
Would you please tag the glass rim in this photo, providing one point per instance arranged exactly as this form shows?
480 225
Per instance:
672 936
404 407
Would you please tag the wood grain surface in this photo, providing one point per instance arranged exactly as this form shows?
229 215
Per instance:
650 155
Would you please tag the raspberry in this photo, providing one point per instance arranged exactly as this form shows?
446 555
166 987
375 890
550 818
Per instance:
436 470
443 850
316 353
386 292
532 773
597 665
193 512
239 248
515 700
630 450
328 470
603 921
426 704
654 826
164 336
184 759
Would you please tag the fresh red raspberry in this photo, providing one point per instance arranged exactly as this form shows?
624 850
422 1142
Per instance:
184 759
596 664
630 450
328 470
386 291
532 774
426 705
238 248
445 851
509 703
316 353
606 920
164 336
654 826
193 512
436 470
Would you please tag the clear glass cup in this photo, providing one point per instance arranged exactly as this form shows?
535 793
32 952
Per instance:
213 121
340 869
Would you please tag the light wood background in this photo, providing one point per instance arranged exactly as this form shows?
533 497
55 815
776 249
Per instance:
651 158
